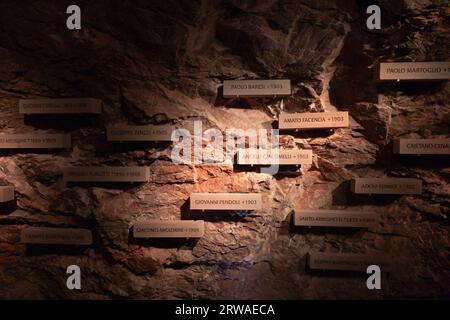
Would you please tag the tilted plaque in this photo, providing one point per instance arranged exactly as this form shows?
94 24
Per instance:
140 133
106 174
35 141
256 88
64 236
225 201
335 218
60 106
422 146
386 186
414 70
313 120
169 229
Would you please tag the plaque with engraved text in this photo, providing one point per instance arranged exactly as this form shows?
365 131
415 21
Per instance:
140 133
64 236
432 70
335 218
386 186
169 229
313 120
268 157
60 106
256 88
345 261
422 146
35 141
225 201
106 174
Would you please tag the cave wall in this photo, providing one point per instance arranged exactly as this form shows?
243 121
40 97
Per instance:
155 62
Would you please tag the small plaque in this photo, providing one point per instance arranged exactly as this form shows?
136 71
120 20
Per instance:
313 120
256 88
386 186
60 106
345 262
169 229
106 174
140 133
37 235
422 146
335 218
414 70
6 193
226 201
34 141
285 157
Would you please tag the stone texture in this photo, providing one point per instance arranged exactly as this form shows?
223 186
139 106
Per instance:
163 62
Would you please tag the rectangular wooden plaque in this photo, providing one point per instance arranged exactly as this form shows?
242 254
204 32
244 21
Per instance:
169 229
35 141
106 174
38 235
335 218
225 201
414 70
422 146
60 106
346 262
256 88
285 157
313 120
6 193
386 186
140 133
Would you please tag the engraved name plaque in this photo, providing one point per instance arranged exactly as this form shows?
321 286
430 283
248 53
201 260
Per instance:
169 229
335 218
34 141
106 174
414 70
38 235
60 106
386 186
256 88
6 193
267 157
225 201
422 146
313 120
345 262
140 133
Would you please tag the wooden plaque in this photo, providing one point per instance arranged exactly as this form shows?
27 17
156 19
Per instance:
169 229
313 120
414 70
386 186
422 146
6 193
335 218
345 262
37 235
106 174
34 141
140 133
225 201
285 157
60 106
256 88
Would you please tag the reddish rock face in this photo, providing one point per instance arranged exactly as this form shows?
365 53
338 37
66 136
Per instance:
163 62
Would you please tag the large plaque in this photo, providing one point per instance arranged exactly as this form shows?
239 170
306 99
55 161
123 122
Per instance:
6 193
140 133
335 218
256 88
346 262
422 146
414 70
106 174
34 141
313 120
284 157
169 229
226 201
38 235
60 106
386 186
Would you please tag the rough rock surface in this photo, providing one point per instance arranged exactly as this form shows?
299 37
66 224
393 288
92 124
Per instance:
163 62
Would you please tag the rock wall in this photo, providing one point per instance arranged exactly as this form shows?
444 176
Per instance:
154 62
